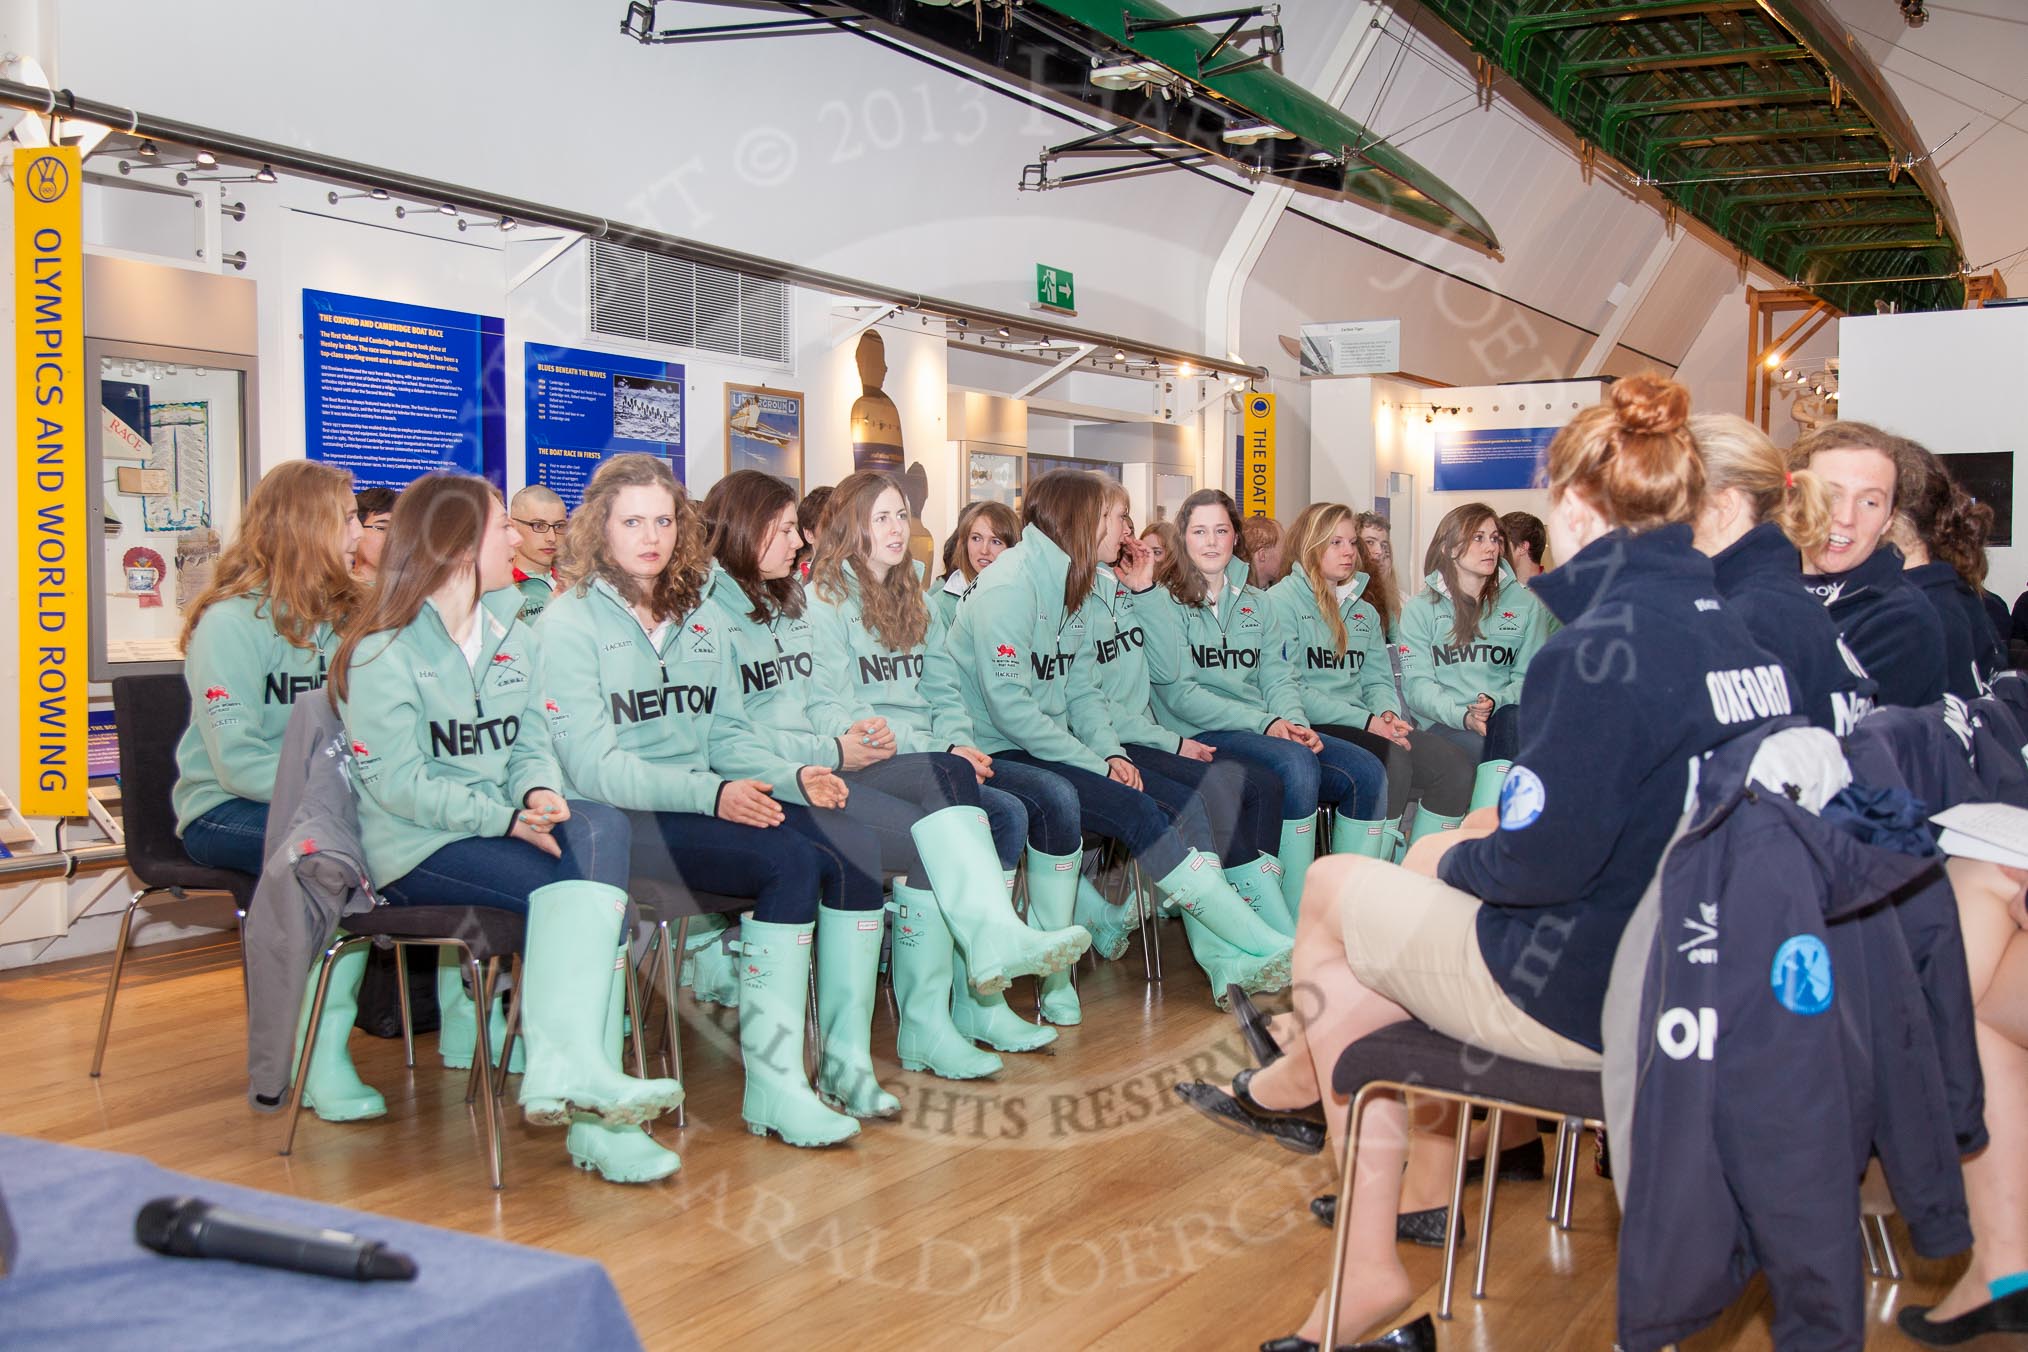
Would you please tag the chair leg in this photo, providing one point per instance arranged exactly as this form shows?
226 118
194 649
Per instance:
1889 1258
513 1030
482 997
407 1019
1556 1176
1454 1217
302 1075
113 978
1341 1232
245 982
1873 1268
1150 908
636 1039
1570 1174
1486 1181
482 1060
671 975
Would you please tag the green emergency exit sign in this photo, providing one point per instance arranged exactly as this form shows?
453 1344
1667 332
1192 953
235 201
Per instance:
1055 289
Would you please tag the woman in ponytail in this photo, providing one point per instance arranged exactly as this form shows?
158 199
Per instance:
1941 533
1590 806
1759 522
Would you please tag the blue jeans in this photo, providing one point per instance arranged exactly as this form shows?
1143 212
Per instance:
1351 780
1241 800
1051 805
891 796
500 871
813 856
232 835
1501 742
1141 820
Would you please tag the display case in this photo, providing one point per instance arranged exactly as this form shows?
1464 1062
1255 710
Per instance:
994 476
170 453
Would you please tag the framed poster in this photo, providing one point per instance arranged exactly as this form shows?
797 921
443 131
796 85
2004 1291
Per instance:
583 406
764 431
1482 459
169 458
393 391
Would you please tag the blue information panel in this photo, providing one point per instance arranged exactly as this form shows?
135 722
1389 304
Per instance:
584 406
393 391
1477 460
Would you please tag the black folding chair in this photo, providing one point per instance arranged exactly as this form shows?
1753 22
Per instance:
150 715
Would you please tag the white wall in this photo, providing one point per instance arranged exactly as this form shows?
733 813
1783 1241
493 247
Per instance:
1951 380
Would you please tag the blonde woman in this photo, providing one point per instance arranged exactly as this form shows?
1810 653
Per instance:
1760 520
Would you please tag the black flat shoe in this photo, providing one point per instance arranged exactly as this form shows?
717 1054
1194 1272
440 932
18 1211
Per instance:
1418 1335
1290 1133
2008 1314
1524 1163
1253 1027
1416 1227
1313 1113
1424 1227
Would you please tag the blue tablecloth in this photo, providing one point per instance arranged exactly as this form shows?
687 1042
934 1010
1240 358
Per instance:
82 1282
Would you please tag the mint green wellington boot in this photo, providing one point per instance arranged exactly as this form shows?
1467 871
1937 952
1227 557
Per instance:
618 1154
848 970
1052 905
957 852
923 960
773 1017
1111 927
1297 851
333 1086
576 952
1427 823
1259 885
988 1018
1198 888
711 963
1486 784
1369 839
458 1019
1227 966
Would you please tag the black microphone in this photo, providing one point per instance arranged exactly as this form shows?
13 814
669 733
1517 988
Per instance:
184 1227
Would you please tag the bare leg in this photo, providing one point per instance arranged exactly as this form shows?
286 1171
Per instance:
1996 1179
1338 1011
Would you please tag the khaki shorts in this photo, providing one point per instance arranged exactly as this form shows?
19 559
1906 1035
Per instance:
1415 940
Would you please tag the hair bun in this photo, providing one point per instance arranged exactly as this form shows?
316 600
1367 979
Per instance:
1650 404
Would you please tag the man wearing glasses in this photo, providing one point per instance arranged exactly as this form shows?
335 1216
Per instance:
539 519
374 507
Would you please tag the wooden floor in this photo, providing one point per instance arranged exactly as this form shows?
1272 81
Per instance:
1072 1202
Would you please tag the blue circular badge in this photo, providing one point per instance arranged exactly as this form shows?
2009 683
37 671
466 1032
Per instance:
1802 975
1522 798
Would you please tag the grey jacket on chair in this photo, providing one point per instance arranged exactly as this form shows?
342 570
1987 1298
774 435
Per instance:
315 875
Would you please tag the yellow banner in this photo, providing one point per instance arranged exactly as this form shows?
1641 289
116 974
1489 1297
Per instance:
49 455
1257 455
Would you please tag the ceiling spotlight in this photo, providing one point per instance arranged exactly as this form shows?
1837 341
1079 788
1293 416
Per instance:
206 160
964 323
1001 331
1185 369
1121 76
1119 354
447 210
1253 130
378 194
265 174
146 150
1322 157
1774 360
